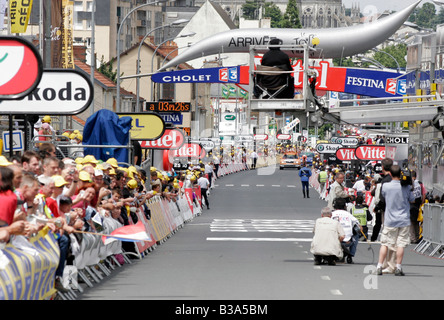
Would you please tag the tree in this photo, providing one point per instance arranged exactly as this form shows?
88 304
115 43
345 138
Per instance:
106 68
394 52
272 11
291 16
250 9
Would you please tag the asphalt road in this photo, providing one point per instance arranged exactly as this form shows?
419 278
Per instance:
254 244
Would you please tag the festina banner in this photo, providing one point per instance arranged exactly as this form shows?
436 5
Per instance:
237 74
366 82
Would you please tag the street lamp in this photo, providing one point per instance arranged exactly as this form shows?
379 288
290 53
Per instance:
174 23
397 64
190 34
118 46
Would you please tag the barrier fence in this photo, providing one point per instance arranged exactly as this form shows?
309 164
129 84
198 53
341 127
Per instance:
27 266
432 242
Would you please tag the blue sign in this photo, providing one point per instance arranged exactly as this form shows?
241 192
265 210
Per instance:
207 75
174 118
17 141
375 83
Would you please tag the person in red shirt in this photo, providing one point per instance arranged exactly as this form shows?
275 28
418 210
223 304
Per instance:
8 200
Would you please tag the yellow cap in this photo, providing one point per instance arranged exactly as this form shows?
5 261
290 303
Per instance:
132 184
112 162
59 181
152 169
112 172
4 162
89 159
84 176
79 136
46 119
72 136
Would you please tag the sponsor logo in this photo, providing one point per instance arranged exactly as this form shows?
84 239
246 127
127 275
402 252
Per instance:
370 152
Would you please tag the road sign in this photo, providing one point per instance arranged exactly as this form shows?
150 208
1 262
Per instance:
145 126
60 91
17 142
21 67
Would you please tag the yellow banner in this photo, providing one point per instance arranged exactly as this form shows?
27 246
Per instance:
67 34
19 10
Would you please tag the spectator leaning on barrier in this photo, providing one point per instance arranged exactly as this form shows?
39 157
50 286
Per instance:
8 225
396 219
328 234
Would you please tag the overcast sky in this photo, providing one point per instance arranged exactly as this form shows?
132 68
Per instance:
382 5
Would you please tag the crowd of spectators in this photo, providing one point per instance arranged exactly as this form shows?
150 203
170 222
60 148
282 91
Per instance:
70 195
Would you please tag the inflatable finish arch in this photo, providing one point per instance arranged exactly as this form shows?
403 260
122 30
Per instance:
330 43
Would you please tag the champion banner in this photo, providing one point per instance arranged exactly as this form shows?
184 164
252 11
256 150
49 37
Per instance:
19 10
27 267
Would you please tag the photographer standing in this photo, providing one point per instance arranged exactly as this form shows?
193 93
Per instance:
396 219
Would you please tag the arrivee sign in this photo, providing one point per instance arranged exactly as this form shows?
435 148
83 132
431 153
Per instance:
370 152
171 139
21 68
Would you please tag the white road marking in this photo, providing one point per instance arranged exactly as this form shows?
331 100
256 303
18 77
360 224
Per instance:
261 239
336 292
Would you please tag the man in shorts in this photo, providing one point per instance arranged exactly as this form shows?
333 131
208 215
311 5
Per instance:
396 219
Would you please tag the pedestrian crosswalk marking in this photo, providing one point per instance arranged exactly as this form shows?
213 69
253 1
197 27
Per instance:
262 225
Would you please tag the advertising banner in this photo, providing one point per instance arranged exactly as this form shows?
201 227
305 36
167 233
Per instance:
67 34
367 82
28 267
237 74
19 12
21 67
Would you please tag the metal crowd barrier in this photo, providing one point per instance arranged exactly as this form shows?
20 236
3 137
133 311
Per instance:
432 242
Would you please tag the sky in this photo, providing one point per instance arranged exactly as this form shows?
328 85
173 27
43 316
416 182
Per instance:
382 5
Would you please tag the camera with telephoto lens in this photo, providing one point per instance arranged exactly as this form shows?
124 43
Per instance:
406 177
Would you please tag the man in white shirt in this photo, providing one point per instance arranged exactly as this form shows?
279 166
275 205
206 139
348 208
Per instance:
203 183
347 221
209 171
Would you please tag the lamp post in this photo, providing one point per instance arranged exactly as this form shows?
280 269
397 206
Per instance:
190 34
396 61
174 23
118 46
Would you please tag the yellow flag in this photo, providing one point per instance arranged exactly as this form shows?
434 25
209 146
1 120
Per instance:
20 10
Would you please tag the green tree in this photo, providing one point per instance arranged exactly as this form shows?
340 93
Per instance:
272 11
106 68
250 9
291 16
394 52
